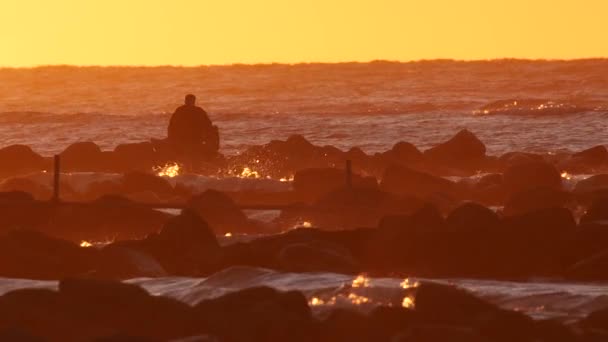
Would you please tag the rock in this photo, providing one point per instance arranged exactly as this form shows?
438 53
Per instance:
186 246
592 184
262 313
139 182
594 268
447 305
19 159
597 320
405 181
317 256
221 213
349 325
32 255
118 262
16 197
534 199
598 211
462 150
402 153
138 156
311 184
26 185
125 308
529 175
594 156
82 156
472 217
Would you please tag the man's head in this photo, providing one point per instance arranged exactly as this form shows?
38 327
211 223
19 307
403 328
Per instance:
190 100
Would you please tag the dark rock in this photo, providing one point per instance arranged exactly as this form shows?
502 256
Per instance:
32 255
262 314
28 186
19 159
138 156
463 150
317 256
348 325
402 180
311 184
137 182
534 199
594 156
472 217
592 184
597 320
221 213
594 268
82 156
16 197
185 246
597 212
529 175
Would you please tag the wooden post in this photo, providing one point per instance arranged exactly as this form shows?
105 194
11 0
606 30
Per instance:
349 174
56 176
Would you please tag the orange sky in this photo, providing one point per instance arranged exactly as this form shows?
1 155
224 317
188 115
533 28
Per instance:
194 32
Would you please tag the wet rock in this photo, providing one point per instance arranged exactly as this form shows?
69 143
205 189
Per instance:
33 255
594 268
597 212
405 181
597 320
221 213
82 156
317 256
311 184
462 150
185 246
20 159
592 184
348 325
16 197
529 175
595 156
472 217
138 182
26 185
534 199
262 314
137 156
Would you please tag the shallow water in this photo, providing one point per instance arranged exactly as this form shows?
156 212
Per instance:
540 299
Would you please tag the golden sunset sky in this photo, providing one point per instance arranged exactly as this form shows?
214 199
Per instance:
195 32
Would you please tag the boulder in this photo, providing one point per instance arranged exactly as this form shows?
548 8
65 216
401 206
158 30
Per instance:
221 213
317 256
405 181
140 182
594 268
262 313
472 217
33 255
19 159
534 199
311 184
529 175
185 246
597 320
462 150
592 184
597 212
82 156
137 156
594 156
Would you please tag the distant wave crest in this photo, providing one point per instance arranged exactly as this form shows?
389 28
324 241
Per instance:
533 107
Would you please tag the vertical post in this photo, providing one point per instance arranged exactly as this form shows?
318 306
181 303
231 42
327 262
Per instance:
56 175
349 174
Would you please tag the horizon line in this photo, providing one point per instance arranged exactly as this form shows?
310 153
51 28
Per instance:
424 60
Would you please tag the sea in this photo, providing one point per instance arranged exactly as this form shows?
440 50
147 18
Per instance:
511 105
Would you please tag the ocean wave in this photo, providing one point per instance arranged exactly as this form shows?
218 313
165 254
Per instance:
564 301
536 107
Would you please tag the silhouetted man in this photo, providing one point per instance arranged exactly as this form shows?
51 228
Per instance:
190 129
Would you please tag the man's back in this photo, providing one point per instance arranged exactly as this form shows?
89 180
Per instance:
189 125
